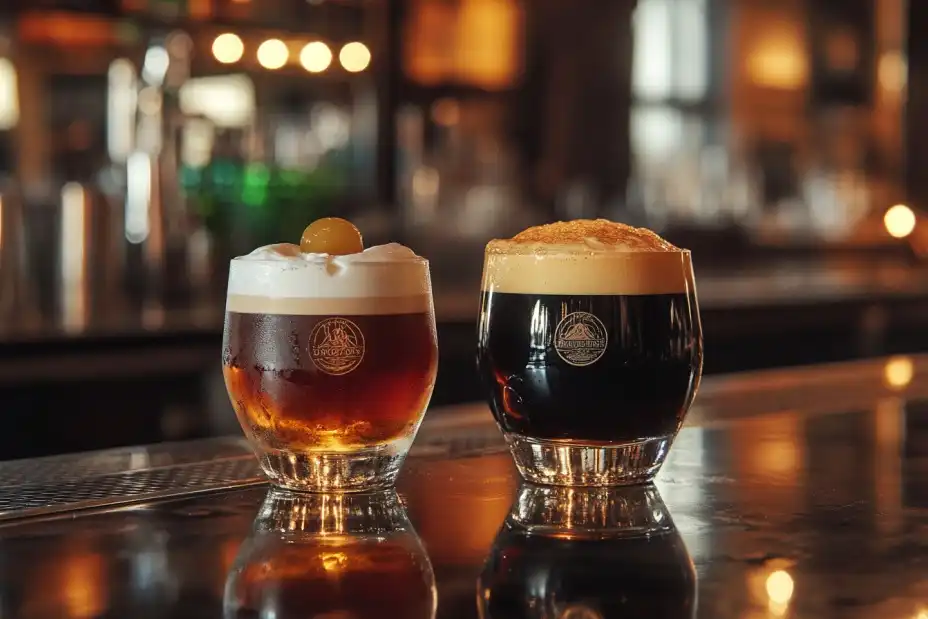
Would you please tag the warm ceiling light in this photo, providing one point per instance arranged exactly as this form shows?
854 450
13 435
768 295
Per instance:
316 57
355 57
899 221
273 54
228 48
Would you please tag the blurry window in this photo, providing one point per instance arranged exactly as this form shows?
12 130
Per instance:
670 78
671 50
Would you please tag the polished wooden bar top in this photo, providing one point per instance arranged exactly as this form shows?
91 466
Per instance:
796 493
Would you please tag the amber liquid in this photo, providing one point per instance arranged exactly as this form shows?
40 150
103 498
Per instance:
288 400
343 576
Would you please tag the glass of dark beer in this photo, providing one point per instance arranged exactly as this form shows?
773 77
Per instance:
588 553
330 362
590 349
331 555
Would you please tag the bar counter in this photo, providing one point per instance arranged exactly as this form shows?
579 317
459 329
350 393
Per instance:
794 493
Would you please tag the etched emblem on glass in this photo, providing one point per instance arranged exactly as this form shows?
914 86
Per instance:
580 338
336 346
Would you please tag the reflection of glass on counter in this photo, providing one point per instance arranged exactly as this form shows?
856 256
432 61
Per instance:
588 553
351 555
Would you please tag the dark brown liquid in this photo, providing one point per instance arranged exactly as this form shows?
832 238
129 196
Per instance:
338 577
339 386
638 387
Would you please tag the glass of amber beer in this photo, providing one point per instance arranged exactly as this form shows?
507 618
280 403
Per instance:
590 349
329 361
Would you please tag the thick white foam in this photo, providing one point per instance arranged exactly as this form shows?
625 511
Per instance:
280 279
587 258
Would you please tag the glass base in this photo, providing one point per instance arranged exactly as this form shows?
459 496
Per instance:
572 463
591 513
375 468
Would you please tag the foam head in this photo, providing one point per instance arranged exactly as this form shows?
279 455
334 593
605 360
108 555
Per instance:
586 257
280 279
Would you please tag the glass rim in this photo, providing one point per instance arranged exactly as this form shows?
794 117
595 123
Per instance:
540 251
416 260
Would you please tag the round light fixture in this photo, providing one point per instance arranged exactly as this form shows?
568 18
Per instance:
228 48
354 57
273 54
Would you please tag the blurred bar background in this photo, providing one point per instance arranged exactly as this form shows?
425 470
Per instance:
145 142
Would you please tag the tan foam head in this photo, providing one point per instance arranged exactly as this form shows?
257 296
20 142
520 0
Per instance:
587 257
595 234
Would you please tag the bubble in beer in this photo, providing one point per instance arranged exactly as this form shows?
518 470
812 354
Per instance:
331 235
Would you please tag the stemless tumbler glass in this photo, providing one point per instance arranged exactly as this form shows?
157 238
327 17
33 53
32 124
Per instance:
590 357
330 364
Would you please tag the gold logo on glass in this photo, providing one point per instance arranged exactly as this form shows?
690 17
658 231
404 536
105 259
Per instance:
336 346
580 339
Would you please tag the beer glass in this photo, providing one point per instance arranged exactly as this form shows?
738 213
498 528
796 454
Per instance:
330 362
590 350
588 553
331 555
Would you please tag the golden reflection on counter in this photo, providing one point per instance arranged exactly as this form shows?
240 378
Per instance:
227 553
771 588
773 448
779 588
458 528
75 581
85 585
777 457
888 433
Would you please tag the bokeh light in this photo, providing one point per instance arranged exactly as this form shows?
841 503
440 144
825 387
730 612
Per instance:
355 57
156 64
273 54
9 102
228 48
446 112
316 57
892 73
899 221
780 587
898 372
